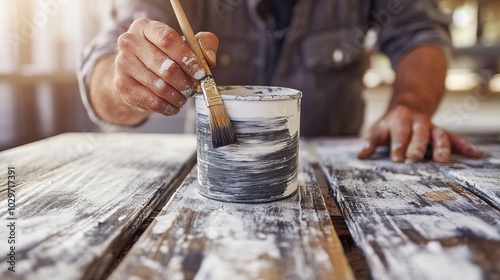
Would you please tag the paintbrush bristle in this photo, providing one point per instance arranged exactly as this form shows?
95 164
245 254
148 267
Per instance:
221 128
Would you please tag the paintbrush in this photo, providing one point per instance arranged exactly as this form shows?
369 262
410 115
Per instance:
221 128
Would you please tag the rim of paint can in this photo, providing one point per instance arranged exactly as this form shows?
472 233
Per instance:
256 93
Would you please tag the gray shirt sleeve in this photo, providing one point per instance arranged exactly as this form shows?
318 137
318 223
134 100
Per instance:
405 24
123 13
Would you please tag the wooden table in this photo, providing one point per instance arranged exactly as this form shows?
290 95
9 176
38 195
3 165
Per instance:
125 206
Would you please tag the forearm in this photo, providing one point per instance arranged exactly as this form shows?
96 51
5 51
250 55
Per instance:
420 80
105 100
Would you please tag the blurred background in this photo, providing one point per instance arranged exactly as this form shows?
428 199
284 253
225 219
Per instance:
40 41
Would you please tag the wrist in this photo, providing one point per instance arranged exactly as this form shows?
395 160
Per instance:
414 103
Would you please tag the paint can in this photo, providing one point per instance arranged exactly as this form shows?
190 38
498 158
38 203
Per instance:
263 165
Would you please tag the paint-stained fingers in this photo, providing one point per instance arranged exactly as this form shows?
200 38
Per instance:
157 61
134 92
140 97
161 88
400 129
130 66
171 43
209 44
419 140
169 71
172 96
375 136
441 145
461 146
368 148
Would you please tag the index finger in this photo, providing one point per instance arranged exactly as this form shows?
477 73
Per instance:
442 146
171 43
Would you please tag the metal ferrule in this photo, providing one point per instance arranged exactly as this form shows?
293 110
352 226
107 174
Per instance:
210 92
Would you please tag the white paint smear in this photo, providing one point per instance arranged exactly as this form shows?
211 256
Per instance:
450 263
187 61
166 65
188 92
163 223
199 75
231 258
160 83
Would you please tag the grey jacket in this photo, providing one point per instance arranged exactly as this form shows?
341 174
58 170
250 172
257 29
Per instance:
322 54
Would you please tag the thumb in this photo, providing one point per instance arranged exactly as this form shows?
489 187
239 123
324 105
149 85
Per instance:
209 44
367 149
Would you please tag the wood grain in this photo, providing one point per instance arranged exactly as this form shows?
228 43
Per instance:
37 158
480 176
198 238
485 183
411 220
74 220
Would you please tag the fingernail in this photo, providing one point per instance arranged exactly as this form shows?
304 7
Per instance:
211 55
442 155
415 155
199 75
188 92
169 109
397 158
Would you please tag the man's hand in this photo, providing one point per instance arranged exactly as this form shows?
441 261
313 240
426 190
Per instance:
153 70
409 133
407 126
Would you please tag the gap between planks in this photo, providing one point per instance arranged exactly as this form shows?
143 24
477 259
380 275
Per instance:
355 256
145 224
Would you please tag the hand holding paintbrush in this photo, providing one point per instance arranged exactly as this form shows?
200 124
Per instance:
220 125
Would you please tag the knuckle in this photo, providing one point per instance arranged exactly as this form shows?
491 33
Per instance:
167 37
125 41
122 84
121 62
139 23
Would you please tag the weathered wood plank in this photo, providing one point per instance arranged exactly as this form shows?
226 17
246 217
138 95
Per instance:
485 183
480 176
198 238
492 159
411 221
354 256
74 220
37 158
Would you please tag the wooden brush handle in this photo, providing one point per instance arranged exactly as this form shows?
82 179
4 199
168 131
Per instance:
188 33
